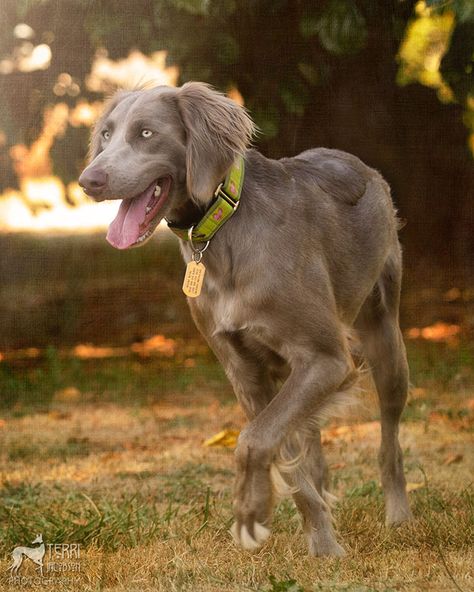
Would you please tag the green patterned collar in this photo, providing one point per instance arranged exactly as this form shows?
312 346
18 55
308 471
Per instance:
226 201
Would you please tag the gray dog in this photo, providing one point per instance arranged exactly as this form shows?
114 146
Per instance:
308 260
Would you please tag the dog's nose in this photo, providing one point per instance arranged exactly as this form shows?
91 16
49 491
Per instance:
93 181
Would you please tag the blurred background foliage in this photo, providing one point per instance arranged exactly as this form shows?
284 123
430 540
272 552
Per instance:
388 80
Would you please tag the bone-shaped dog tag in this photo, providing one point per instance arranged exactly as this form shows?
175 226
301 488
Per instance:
193 279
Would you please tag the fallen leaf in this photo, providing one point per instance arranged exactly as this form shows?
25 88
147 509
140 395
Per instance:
453 458
418 392
56 414
339 465
69 394
225 438
452 295
87 351
436 417
352 431
414 486
156 344
112 455
438 332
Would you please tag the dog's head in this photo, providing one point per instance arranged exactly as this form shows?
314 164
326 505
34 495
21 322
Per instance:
156 149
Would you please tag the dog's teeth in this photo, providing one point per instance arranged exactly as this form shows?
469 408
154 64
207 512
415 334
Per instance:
157 191
148 209
141 238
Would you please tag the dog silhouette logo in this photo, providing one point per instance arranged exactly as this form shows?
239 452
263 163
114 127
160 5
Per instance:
36 555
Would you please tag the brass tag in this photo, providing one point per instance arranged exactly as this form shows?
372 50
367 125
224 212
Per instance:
193 279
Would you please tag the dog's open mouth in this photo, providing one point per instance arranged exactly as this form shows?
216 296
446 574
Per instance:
138 216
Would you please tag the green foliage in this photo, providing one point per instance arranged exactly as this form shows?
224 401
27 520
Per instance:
193 6
341 28
457 64
276 53
464 9
289 585
295 96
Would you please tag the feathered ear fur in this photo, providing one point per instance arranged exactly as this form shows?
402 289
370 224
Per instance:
218 130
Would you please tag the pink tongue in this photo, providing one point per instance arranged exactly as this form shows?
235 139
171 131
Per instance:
125 230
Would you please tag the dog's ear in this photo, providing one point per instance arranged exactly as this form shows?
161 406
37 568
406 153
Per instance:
217 130
110 104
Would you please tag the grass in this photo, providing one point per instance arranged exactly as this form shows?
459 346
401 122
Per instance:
107 453
128 479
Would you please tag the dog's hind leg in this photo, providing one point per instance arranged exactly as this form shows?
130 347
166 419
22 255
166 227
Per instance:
379 331
308 483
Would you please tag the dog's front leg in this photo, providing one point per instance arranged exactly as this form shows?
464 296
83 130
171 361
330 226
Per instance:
246 370
305 394
254 388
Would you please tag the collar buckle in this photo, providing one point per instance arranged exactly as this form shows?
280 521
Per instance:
219 192
226 199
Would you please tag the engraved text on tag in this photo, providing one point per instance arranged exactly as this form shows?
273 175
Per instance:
193 279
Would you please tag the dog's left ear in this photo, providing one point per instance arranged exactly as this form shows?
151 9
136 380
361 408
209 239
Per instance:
217 130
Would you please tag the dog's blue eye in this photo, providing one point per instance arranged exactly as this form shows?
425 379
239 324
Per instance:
106 134
146 133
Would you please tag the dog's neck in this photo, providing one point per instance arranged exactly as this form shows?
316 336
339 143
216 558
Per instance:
222 205
187 214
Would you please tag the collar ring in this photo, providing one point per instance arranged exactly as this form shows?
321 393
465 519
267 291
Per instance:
197 253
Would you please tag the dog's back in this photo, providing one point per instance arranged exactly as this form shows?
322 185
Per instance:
325 206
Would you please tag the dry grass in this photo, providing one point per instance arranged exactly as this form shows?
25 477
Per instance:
151 506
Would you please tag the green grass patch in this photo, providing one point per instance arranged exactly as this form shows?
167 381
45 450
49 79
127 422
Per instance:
441 366
60 452
443 520
184 497
31 385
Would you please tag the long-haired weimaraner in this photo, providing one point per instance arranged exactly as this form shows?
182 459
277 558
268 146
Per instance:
308 259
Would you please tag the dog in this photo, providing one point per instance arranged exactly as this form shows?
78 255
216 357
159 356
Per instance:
305 257
36 555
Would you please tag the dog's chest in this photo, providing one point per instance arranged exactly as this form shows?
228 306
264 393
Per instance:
229 311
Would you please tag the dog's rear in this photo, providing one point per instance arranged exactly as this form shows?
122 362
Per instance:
311 253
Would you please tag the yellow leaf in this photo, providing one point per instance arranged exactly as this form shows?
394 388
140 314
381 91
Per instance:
414 486
226 438
69 394
453 458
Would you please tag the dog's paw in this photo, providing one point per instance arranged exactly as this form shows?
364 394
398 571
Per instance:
322 542
397 510
398 518
325 548
245 539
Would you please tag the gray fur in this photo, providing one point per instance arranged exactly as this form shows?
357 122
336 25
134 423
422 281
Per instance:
310 257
